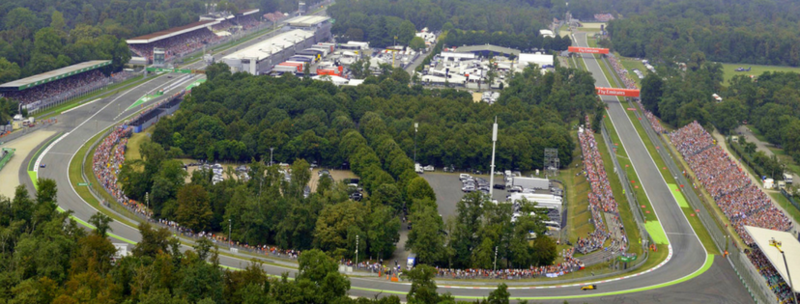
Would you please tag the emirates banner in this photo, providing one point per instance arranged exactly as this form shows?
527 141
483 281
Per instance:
588 50
617 92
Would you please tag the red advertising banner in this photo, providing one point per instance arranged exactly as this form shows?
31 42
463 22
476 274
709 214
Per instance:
577 49
617 92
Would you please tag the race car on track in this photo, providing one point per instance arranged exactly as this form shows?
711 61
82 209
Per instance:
589 287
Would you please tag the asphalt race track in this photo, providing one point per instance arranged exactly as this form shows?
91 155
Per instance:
719 284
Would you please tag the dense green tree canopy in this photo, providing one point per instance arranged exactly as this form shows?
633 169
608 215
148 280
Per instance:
738 31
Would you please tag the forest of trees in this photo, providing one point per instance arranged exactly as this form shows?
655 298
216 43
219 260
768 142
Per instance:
46 257
379 21
39 36
239 117
738 31
685 96
771 104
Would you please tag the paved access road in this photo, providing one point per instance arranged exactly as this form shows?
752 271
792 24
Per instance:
717 285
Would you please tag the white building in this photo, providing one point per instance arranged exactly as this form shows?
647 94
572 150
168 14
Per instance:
547 33
542 60
264 55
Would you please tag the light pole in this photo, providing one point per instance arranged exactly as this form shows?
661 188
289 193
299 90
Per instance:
416 128
777 245
495 258
494 144
356 250
270 155
230 227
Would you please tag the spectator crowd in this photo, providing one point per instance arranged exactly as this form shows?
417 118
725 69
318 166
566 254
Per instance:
601 198
62 89
177 46
569 264
774 280
740 200
107 163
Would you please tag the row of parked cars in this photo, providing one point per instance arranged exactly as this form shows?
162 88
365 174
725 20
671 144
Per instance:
470 184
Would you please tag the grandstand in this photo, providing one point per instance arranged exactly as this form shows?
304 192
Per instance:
770 263
176 42
180 41
49 88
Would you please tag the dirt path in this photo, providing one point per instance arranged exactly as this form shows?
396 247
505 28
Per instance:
24 145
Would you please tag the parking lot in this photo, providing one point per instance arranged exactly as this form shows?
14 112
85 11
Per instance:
448 190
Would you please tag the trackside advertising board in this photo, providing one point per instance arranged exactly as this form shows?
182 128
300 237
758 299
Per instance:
617 92
588 50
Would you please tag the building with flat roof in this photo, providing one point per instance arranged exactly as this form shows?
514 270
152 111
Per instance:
547 33
320 25
542 60
49 76
262 56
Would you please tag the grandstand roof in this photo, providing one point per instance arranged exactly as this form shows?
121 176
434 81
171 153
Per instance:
307 20
35 80
248 12
789 245
175 31
272 45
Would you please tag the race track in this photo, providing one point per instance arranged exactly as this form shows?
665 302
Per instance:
718 284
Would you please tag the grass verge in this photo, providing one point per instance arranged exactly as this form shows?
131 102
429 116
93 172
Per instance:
625 163
625 212
784 202
75 177
578 201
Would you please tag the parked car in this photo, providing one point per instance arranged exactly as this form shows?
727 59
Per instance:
356 196
499 186
464 176
515 188
449 169
428 168
323 172
468 188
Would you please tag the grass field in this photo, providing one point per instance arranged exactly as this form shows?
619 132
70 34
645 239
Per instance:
578 214
729 70
134 142
630 64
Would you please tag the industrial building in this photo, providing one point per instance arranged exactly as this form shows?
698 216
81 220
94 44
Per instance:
320 25
261 57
